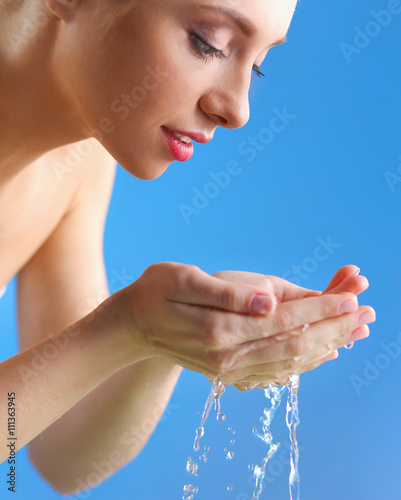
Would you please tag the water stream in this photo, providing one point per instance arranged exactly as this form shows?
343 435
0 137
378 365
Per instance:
274 395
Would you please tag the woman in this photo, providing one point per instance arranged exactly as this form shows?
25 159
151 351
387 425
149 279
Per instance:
144 78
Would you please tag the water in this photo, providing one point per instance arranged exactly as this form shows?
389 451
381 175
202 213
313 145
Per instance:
190 490
217 391
292 419
274 394
215 395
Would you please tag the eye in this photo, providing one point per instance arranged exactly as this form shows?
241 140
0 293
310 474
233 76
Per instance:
257 70
204 50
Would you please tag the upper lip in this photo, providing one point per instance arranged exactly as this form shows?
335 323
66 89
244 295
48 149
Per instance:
195 136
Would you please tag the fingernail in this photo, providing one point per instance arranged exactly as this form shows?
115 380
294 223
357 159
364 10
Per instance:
360 333
261 304
366 318
365 285
349 305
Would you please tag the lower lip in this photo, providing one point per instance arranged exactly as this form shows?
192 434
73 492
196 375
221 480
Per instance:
180 151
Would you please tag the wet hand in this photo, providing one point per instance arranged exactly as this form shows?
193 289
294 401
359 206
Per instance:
210 323
345 280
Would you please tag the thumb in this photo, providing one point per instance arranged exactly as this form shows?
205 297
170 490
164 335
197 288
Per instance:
233 296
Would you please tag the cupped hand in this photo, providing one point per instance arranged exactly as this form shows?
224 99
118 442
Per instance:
244 327
345 280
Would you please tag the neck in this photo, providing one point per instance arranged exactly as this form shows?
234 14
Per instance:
35 116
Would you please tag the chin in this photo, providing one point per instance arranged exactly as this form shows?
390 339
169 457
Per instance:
140 165
146 171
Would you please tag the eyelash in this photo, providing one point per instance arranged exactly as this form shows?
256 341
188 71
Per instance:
207 52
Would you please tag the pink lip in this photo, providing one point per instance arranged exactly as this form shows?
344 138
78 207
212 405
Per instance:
197 137
180 150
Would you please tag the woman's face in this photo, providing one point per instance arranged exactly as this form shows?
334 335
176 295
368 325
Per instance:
138 70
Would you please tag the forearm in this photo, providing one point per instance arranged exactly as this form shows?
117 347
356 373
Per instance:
49 378
108 428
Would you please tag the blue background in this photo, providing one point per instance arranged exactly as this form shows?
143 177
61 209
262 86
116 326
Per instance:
330 172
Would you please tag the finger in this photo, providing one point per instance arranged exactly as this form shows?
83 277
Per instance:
260 281
239 387
281 374
360 333
294 314
330 357
199 288
219 329
343 273
298 347
286 291
352 284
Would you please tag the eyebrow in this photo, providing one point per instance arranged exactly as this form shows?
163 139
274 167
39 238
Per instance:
245 26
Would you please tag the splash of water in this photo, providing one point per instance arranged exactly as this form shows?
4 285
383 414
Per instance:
273 393
215 395
292 419
217 391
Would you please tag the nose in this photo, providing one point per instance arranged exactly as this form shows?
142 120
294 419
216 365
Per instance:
227 101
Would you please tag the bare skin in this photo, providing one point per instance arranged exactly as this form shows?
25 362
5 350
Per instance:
87 381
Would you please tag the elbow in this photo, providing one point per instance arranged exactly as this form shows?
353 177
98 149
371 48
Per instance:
61 477
69 477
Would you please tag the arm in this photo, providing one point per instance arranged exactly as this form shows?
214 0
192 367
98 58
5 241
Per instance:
174 312
63 282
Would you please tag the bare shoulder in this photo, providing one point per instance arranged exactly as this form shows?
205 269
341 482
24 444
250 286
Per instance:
62 197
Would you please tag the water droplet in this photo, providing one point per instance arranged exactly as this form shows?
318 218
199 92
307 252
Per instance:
221 417
232 441
200 432
230 429
349 346
206 448
192 466
251 467
230 487
230 455
189 489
